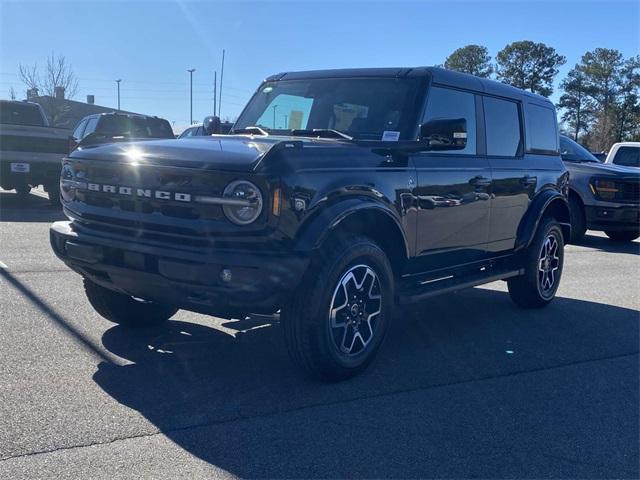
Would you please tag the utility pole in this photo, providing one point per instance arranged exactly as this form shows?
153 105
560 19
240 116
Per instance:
221 75
215 91
286 121
274 116
191 95
118 83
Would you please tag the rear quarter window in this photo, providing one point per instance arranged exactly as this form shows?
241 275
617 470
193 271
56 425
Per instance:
542 129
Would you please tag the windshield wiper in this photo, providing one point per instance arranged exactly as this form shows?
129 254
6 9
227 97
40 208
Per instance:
252 129
321 132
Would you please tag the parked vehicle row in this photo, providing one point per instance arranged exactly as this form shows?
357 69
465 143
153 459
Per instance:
384 187
30 150
602 196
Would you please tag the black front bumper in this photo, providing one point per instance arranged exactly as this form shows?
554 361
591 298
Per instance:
192 280
613 217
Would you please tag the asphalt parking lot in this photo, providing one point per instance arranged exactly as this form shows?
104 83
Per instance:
467 385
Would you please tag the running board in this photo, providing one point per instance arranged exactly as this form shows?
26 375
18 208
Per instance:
453 284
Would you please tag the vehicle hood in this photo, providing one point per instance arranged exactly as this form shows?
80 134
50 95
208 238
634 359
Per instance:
219 152
603 169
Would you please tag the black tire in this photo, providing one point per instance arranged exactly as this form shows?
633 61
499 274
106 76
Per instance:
23 190
53 190
125 310
578 219
625 236
543 268
329 340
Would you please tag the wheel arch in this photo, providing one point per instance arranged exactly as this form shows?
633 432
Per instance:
548 203
362 217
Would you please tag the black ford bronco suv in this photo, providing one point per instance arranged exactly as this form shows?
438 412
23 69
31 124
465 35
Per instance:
337 195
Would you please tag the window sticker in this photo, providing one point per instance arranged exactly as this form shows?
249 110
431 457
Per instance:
390 136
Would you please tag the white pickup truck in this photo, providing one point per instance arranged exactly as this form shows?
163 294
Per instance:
30 150
626 154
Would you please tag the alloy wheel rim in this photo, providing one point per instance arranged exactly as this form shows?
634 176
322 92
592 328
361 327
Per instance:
355 309
548 265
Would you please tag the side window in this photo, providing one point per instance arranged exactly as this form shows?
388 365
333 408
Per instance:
187 133
199 132
77 133
542 129
91 126
627 156
447 104
502 125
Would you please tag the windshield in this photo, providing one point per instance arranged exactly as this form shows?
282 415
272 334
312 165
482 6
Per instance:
574 152
137 127
20 114
363 108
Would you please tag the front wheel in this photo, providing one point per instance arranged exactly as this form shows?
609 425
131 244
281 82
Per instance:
627 236
339 315
543 268
124 309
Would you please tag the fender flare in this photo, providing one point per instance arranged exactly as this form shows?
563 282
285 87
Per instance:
319 226
536 211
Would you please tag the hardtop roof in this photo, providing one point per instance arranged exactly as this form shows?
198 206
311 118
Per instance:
438 75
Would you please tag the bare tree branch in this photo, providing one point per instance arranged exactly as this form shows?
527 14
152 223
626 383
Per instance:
29 75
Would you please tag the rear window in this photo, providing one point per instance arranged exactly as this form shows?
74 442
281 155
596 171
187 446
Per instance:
136 127
627 156
20 114
502 121
542 129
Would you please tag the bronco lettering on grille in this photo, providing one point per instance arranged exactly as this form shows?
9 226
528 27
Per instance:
139 192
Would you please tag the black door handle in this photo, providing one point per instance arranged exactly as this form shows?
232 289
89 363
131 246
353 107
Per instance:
480 181
528 180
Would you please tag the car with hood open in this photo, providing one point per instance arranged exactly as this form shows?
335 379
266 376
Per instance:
602 196
337 196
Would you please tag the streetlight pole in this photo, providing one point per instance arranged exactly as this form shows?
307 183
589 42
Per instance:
286 121
118 82
191 95
274 116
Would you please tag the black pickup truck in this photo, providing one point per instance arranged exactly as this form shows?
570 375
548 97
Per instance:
30 150
380 187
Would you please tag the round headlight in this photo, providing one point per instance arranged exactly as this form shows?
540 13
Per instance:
247 202
67 189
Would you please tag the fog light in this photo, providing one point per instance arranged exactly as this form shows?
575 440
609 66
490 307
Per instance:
225 275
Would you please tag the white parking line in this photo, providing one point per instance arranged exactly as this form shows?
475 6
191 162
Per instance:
3 265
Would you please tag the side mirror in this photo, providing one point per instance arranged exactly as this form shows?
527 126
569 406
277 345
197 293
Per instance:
444 134
211 125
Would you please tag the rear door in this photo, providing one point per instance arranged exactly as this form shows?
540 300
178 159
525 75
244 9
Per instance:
513 181
453 188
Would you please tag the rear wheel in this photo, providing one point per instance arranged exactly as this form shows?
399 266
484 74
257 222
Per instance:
627 236
578 219
124 309
543 268
339 315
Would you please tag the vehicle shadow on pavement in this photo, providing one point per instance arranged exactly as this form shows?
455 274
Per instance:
466 385
607 245
31 208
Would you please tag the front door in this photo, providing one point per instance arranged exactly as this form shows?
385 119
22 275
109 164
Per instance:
453 189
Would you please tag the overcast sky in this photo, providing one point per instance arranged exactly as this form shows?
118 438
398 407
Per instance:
151 44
